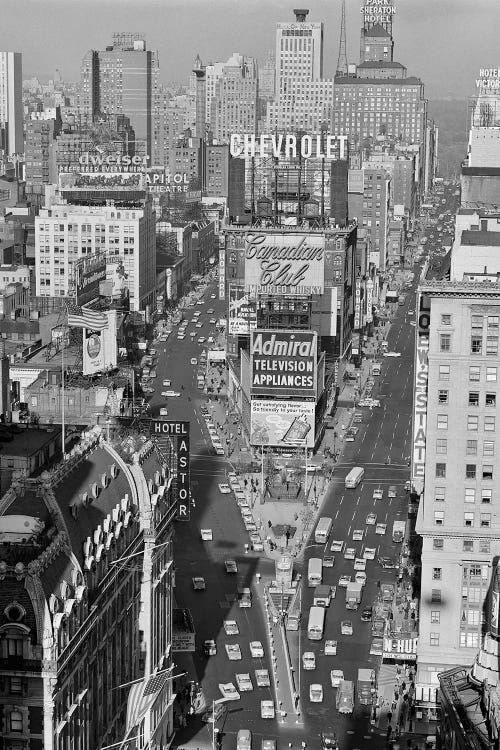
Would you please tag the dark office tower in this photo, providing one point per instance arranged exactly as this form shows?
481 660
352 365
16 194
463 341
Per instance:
123 79
338 192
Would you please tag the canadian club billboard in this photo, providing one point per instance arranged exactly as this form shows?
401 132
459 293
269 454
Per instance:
284 363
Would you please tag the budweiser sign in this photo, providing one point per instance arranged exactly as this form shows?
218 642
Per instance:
288 263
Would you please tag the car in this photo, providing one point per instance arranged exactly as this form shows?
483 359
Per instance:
152 352
387 563
219 451
228 691
412 323
309 660
371 519
218 711
373 402
392 354
346 627
180 337
363 402
316 692
231 627
193 361
344 580
378 493
381 528
201 340
212 321
366 614
198 583
360 563
213 296
262 678
256 650
393 491
231 566
358 417
250 526
330 648
224 488
267 710
166 383
349 553
210 311
350 436
369 553
333 592
244 682
209 647
206 535
163 411
210 340
171 394
336 546
268 745
199 324
328 561
360 577
377 647
336 676
233 651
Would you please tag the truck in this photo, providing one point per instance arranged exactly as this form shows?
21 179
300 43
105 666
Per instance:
387 592
345 697
353 594
398 531
366 683
380 616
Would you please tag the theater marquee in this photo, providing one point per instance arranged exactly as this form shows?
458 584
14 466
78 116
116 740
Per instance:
287 264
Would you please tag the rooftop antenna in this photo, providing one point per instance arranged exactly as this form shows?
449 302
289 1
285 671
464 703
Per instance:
342 59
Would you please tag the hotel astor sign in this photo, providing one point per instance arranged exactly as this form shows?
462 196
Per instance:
288 263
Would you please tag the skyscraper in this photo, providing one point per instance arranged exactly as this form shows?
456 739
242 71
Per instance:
234 106
11 103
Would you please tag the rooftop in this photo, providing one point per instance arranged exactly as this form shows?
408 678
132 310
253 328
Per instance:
345 80
381 64
377 30
480 238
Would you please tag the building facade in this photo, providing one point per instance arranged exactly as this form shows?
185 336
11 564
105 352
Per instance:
11 103
233 107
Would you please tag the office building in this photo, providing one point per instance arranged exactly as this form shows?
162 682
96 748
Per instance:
11 103
368 201
480 173
233 108
78 653
40 135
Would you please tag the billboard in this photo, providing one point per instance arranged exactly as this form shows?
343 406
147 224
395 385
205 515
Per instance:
100 348
222 269
282 423
284 363
357 305
420 392
288 263
179 432
242 311
76 181
89 272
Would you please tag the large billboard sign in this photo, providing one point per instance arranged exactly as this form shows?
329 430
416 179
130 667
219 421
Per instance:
242 312
160 181
378 11
93 180
284 263
178 431
100 348
284 363
282 423
420 393
90 271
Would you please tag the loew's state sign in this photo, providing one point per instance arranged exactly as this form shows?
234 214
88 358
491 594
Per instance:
284 363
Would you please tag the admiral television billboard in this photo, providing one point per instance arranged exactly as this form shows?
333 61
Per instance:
284 363
282 424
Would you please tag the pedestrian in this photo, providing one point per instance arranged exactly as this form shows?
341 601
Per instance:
270 524
389 732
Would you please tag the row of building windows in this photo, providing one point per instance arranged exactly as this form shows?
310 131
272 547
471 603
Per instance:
469 519
472 423
470 449
474 397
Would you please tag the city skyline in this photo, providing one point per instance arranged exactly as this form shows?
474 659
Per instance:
179 31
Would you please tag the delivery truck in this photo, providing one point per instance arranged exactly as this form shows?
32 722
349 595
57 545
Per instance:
366 683
398 531
353 594
345 697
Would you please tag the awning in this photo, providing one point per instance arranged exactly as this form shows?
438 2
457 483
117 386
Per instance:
426 695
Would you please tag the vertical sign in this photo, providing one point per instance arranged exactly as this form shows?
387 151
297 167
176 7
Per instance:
179 431
369 300
222 267
357 305
420 397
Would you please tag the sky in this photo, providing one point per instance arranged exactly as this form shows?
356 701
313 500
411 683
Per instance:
443 42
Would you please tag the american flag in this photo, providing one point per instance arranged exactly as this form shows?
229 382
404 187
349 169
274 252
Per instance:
142 696
88 319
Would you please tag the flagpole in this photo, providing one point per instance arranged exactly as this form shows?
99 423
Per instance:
63 413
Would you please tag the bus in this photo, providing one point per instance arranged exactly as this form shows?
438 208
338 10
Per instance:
315 572
354 477
323 530
316 623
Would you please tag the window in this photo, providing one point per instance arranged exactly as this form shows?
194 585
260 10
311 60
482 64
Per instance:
491 344
470 495
441 445
468 545
493 323
489 424
491 374
472 423
441 470
486 496
434 639
469 640
476 344
14 646
439 517
16 721
474 374
438 543
436 595
484 546
470 471
488 448
487 471
491 399
446 320
468 519
485 520
473 398
445 342
436 574
471 448
444 372
477 322
435 615
442 397
442 421
16 685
